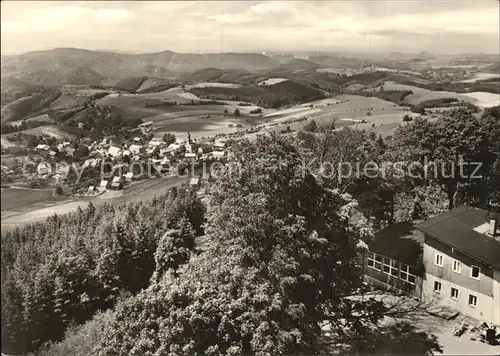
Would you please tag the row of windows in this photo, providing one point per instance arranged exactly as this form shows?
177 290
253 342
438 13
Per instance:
454 294
456 267
391 267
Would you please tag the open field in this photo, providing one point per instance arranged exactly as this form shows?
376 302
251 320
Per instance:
212 85
17 199
420 95
50 130
175 94
484 100
43 209
272 81
481 76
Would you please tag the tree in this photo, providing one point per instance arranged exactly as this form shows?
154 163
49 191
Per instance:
406 118
310 126
449 151
174 249
237 113
281 257
419 109
169 138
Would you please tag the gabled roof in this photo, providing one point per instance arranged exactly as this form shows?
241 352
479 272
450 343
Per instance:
455 228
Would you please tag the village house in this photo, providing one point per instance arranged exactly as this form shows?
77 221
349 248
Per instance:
192 147
114 151
205 149
219 145
155 143
117 183
135 149
43 169
42 147
218 154
461 257
194 182
103 185
128 176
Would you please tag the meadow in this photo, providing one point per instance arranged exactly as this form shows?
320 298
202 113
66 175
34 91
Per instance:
16 199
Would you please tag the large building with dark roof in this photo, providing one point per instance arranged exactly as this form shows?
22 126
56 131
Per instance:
461 261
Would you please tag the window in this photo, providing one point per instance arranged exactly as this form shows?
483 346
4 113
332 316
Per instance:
475 271
374 261
457 266
472 300
378 262
371 259
387 265
394 268
439 260
403 274
407 274
454 293
437 287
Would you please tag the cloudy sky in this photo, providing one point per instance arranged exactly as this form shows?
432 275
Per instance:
457 26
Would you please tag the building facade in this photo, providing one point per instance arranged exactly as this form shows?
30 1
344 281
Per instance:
461 260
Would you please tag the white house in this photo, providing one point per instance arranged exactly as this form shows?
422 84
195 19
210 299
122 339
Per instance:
155 142
114 151
218 154
128 176
43 169
135 149
219 144
103 185
43 147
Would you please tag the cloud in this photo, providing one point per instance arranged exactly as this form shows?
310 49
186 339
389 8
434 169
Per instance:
65 17
197 26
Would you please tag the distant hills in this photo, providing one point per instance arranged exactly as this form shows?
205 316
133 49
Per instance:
65 65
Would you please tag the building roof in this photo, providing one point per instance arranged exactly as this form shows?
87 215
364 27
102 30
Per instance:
194 181
456 229
401 241
114 151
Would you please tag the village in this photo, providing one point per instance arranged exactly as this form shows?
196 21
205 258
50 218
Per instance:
88 168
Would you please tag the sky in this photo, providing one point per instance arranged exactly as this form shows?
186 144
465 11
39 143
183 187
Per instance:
459 26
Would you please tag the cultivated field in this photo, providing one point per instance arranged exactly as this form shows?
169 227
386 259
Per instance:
480 76
212 85
420 95
484 100
272 81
